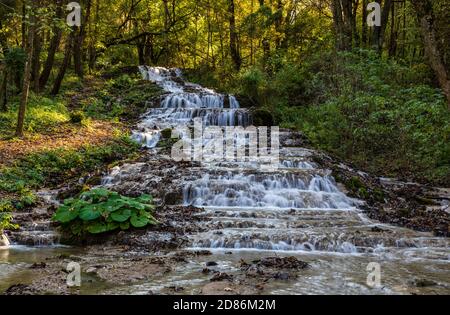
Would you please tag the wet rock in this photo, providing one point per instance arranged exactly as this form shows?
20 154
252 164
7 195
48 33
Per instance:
20 289
283 263
41 265
377 229
275 268
221 276
282 276
203 253
173 198
227 288
176 289
91 270
293 139
423 283
128 272
211 264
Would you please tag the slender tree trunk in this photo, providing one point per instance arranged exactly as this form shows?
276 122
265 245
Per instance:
378 32
54 44
65 63
394 31
4 82
78 46
424 11
36 63
3 91
26 77
92 49
234 48
342 12
364 23
355 33
279 23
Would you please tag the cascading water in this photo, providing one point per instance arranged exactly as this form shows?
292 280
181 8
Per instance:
295 208
184 103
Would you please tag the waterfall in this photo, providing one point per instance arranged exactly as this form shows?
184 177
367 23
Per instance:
298 207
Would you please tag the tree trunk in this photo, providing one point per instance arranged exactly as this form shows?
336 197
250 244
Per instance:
65 63
342 39
54 44
78 46
234 48
364 30
378 31
3 92
36 63
393 38
424 11
26 77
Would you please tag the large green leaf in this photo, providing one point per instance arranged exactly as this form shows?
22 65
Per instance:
113 205
121 215
90 213
100 227
96 194
65 214
136 205
125 226
139 221
97 228
145 199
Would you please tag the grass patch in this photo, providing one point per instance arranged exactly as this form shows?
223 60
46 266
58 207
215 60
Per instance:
43 115
53 167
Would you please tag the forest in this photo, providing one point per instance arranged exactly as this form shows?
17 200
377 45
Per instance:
357 86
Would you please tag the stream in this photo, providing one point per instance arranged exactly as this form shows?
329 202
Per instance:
249 213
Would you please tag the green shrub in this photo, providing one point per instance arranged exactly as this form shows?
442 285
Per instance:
77 117
251 83
5 216
378 113
122 82
100 211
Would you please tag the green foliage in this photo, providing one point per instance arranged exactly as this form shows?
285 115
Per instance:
373 112
122 97
5 216
15 59
122 82
77 117
50 168
43 114
100 211
252 81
